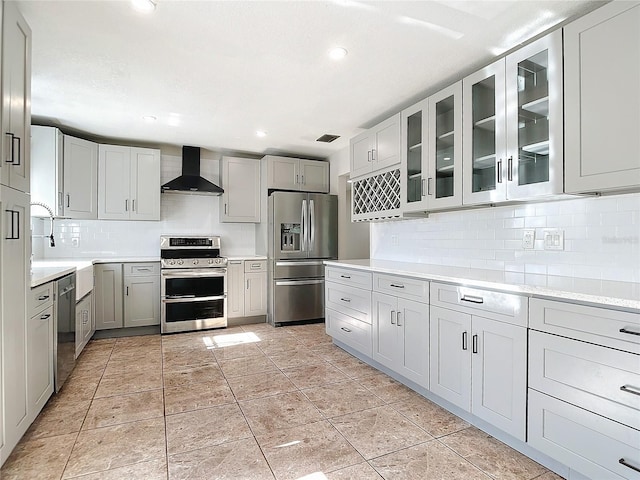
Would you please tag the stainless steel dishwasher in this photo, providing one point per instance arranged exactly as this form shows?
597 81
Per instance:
65 345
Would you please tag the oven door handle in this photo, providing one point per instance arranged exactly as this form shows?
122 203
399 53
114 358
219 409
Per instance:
217 272
192 299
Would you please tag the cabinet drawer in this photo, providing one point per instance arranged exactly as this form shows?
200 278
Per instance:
352 301
504 307
588 443
141 269
411 288
600 379
349 330
353 278
255 266
602 326
40 298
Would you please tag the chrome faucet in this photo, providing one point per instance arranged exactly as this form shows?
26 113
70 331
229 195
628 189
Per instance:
52 242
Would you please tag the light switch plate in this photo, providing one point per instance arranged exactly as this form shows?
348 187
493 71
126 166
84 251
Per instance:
528 239
553 239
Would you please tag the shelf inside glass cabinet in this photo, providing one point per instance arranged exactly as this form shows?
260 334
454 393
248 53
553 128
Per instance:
540 148
539 106
488 123
487 161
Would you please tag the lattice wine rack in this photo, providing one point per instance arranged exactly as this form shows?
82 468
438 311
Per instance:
376 197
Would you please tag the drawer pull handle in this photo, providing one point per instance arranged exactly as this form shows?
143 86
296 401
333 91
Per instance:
630 332
628 465
345 276
345 329
472 299
348 300
45 317
474 344
255 265
42 297
396 286
464 340
630 389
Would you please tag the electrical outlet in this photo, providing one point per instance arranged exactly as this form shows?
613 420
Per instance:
553 239
528 239
75 241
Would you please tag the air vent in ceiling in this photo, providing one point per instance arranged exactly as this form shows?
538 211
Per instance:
327 138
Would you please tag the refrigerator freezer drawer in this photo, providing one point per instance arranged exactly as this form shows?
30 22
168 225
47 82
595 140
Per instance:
299 269
296 300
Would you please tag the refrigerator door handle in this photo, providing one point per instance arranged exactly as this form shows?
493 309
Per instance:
303 226
312 214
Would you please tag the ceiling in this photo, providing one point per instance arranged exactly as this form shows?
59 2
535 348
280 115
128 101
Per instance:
215 72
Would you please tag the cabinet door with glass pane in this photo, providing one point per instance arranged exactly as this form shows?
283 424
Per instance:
484 145
534 119
414 134
444 183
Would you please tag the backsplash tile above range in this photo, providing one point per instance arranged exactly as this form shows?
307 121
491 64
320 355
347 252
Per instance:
601 239
180 214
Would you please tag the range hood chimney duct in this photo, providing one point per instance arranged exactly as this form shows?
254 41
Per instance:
190 181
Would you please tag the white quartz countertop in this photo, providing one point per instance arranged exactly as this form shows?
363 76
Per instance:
44 271
246 257
618 295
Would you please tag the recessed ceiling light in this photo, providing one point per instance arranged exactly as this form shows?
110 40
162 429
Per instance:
338 53
144 5
149 118
261 133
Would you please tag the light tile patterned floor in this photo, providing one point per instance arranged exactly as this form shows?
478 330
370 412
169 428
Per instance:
250 402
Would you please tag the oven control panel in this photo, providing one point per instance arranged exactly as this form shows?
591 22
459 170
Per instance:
194 262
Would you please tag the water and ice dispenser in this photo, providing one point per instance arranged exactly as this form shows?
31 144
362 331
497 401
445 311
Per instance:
289 237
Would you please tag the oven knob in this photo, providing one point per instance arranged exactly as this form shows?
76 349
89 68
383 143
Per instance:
180 262
172 262
217 260
195 262
210 261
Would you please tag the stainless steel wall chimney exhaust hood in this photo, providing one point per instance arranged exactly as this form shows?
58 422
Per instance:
190 181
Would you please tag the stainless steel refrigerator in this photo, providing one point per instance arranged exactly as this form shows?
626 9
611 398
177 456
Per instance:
303 231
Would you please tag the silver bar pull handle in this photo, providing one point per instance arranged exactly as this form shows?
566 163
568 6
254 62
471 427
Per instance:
303 227
398 319
393 320
510 169
302 177
373 154
499 167
133 205
247 284
369 156
474 344
312 215
429 186
630 389
628 465
345 329
126 205
464 340
630 332
68 200
348 300
11 157
472 299
422 185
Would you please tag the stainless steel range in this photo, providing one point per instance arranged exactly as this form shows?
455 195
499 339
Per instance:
193 283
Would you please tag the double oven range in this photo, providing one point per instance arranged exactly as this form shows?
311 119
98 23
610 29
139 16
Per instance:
193 283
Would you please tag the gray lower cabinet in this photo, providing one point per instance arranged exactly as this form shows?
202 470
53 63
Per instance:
85 322
127 295
247 288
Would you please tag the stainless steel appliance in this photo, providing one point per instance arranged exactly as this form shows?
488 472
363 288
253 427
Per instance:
64 347
193 285
303 231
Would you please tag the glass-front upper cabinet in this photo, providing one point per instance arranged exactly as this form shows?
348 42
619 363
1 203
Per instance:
535 119
414 134
513 137
484 135
444 183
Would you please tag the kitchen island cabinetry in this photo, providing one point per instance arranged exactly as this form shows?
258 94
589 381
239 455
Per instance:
241 184
128 183
247 288
40 343
602 144
16 99
299 174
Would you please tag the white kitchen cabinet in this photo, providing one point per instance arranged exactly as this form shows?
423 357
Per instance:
85 322
15 249
141 294
241 184
128 183
16 99
40 356
47 184
602 118
80 173
255 297
235 288
513 126
377 148
247 288
414 135
401 336
108 299
286 173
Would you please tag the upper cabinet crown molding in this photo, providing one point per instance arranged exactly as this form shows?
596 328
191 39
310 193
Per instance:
602 100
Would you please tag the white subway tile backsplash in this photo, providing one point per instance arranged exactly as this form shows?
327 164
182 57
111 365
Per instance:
602 239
